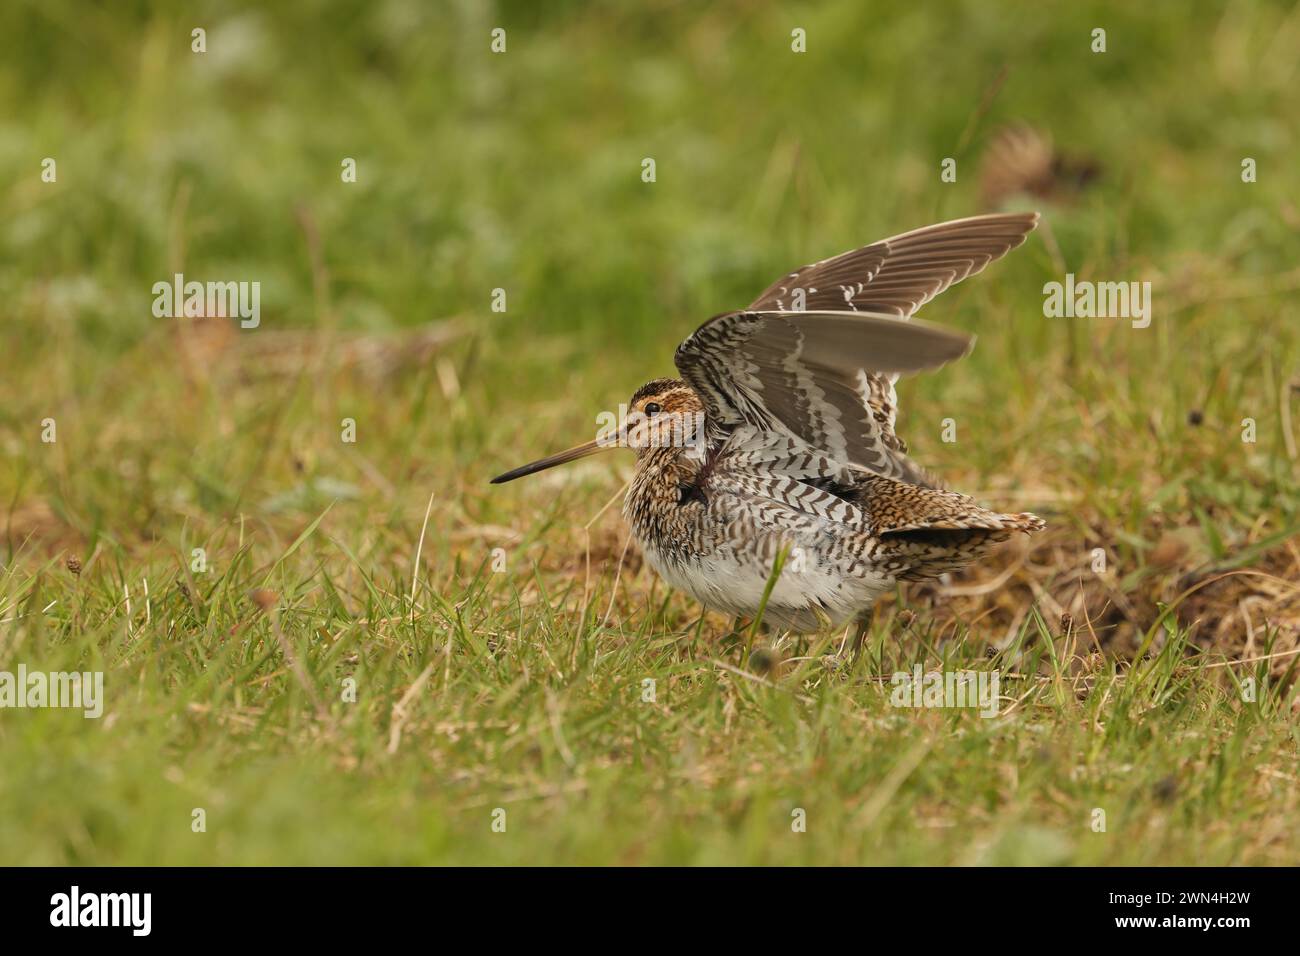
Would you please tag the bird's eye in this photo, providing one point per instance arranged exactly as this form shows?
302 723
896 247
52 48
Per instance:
652 409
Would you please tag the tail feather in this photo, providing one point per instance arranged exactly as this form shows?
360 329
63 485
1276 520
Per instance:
932 531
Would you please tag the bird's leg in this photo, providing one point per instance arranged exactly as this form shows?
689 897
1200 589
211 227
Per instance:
737 635
863 629
698 627
837 660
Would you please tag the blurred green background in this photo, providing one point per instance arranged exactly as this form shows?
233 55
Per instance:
522 171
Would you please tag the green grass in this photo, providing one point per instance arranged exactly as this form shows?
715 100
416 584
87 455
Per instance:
514 679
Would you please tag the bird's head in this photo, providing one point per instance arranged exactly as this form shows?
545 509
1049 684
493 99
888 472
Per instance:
665 413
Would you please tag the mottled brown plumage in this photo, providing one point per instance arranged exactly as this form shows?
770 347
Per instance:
779 438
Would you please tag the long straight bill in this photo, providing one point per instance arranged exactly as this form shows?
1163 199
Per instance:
562 458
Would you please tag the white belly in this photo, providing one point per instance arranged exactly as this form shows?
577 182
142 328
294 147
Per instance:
805 596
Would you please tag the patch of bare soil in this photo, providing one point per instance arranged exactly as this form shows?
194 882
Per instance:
1241 612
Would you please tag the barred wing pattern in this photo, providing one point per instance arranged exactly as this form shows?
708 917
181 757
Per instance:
808 375
897 276
825 375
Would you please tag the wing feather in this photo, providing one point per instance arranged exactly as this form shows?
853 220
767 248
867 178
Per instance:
801 374
900 274
824 376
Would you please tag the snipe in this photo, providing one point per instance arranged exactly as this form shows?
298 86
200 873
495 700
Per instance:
779 438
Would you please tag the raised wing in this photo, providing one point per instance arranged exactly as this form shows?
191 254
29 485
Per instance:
825 376
897 276
811 375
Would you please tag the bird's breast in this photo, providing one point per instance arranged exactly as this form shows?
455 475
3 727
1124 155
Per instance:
720 540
